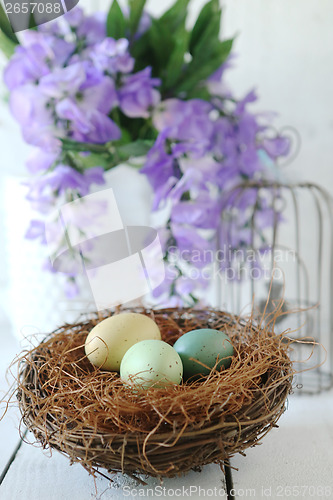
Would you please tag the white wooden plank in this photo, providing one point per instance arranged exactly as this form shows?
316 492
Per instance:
9 424
36 475
295 460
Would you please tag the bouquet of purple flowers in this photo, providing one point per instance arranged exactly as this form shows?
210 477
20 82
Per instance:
91 92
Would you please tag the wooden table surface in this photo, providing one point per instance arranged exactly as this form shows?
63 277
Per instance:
293 461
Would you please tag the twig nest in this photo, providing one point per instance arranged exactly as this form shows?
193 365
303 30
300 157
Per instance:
93 417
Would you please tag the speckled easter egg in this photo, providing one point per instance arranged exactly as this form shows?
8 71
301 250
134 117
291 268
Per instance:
204 346
109 340
151 363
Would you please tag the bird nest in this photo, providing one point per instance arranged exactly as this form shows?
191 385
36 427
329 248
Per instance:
92 417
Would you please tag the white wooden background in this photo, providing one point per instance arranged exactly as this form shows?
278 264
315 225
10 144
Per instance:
286 49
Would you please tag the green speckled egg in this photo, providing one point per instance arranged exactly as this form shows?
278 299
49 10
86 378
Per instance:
205 345
151 363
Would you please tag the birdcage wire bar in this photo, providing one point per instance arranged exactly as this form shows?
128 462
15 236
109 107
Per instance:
306 291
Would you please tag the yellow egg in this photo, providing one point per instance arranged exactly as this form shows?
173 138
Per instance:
109 340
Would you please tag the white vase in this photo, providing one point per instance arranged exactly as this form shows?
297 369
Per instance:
36 300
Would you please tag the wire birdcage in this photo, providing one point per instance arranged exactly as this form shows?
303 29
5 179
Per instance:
287 265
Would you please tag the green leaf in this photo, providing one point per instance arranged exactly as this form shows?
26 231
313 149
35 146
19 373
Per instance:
32 22
135 149
204 66
69 145
208 14
176 62
155 47
136 9
105 155
176 15
212 50
208 52
89 161
116 23
161 45
209 39
140 50
125 136
199 93
7 46
6 27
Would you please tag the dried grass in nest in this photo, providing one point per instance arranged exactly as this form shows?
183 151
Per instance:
89 415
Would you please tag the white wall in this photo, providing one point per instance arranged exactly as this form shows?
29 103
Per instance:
285 49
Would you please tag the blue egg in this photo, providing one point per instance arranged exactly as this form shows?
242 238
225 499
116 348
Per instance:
204 346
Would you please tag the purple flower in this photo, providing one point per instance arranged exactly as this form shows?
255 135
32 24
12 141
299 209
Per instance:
71 288
192 148
101 129
249 98
277 146
40 160
35 58
68 23
44 137
215 83
247 129
29 106
26 66
111 56
67 78
93 28
42 204
204 170
137 96
57 49
186 285
165 237
188 238
185 120
36 230
249 162
53 28
198 178
63 81
30 109
219 73
75 17
160 166
63 178
171 273
144 25
203 212
84 102
233 235
240 198
235 145
88 29
266 217
94 175
162 192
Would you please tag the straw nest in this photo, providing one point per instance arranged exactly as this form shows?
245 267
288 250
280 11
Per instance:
89 415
